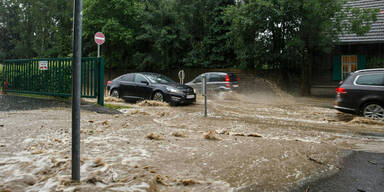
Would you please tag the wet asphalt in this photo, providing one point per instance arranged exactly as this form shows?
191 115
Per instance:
359 171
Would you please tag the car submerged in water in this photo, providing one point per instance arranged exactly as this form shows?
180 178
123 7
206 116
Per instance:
150 86
362 93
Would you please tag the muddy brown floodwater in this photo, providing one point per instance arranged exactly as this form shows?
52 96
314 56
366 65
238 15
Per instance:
248 142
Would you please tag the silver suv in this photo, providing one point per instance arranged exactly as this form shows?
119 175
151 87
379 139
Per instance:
216 82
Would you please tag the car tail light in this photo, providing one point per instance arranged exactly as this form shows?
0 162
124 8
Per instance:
341 90
109 82
227 78
227 81
238 79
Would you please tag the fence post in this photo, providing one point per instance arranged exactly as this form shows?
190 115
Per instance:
100 92
3 81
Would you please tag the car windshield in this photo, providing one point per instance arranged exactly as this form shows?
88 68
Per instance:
158 78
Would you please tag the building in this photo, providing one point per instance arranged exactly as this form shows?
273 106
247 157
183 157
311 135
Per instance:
351 53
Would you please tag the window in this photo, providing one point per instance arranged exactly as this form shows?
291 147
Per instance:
140 79
128 77
373 80
198 79
158 78
216 78
349 64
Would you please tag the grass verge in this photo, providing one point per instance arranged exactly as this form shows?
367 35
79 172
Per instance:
39 96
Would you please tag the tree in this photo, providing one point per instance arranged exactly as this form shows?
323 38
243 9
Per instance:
39 28
209 34
281 35
177 33
284 34
161 40
117 19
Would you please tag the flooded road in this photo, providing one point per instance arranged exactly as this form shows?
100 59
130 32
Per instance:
248 142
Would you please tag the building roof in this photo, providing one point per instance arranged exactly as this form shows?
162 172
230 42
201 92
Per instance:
376 34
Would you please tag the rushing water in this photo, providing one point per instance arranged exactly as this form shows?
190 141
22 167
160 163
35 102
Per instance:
262 141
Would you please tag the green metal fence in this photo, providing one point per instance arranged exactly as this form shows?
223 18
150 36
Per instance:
54 77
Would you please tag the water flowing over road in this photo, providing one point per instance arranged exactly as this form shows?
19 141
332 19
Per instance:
248 142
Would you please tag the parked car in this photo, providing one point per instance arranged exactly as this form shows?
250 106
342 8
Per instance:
140 86
362 93
216 82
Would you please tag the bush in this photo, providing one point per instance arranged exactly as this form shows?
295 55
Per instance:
41 81
1 76
375 62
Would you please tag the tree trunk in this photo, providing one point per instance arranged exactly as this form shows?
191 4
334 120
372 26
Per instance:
306 74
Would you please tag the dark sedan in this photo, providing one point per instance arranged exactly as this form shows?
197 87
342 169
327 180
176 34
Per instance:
141 86
362 93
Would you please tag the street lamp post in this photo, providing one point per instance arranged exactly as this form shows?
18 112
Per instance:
76 94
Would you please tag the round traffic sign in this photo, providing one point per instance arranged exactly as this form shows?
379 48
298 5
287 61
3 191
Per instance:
99 38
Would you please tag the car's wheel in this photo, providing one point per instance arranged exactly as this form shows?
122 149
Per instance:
373 111
158 96
115 93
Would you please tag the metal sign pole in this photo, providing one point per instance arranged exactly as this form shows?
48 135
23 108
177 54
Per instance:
205 94
98 50
181 76
76 81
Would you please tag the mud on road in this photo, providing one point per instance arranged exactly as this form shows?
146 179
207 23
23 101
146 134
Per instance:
247 143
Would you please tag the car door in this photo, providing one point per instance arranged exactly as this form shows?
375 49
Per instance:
126 84
370 86
216 81
142 88
197 83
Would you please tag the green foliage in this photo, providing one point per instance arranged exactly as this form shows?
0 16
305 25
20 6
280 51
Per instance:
40 81
171 34
286 35
375 62
117 19
360 20
1 77
35 28
209 34
280 33
161 38
166 34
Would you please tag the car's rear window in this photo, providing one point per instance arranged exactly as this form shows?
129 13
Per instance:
221 77
371 79
232 77
127 77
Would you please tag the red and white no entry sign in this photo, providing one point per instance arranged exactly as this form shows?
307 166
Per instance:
99 38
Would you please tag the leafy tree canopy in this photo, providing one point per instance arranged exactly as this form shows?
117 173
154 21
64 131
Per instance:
170 34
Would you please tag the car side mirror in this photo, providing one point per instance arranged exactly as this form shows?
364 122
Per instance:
145 82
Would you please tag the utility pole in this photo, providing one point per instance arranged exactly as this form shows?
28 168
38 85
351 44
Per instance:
76 94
